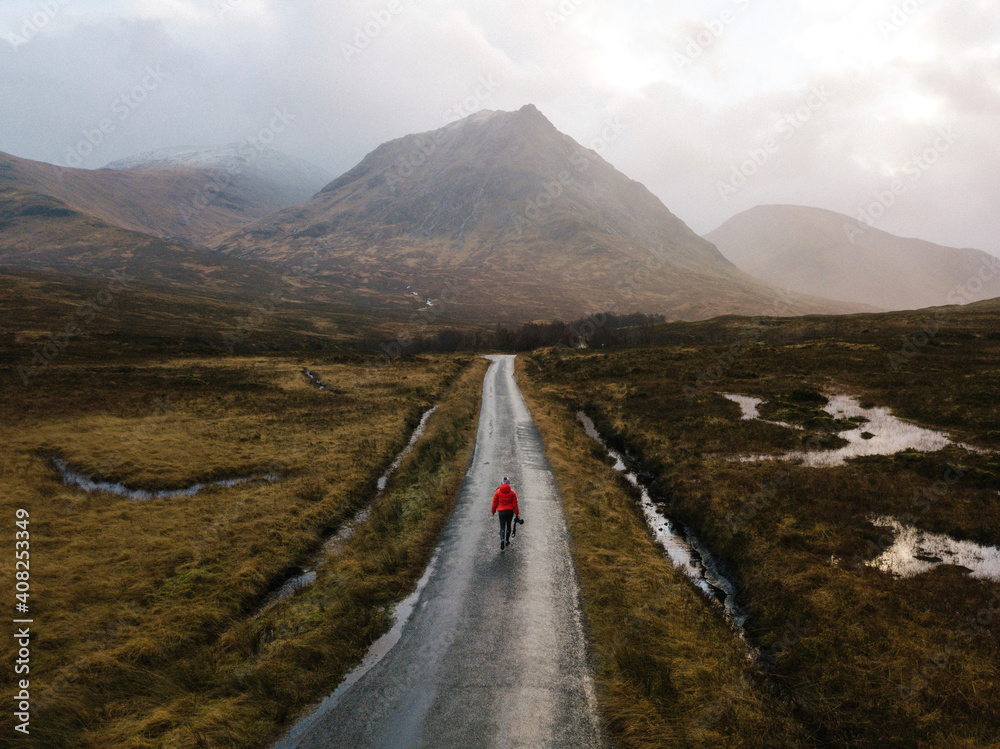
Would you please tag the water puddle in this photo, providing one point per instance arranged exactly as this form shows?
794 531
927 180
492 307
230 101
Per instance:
749 405
380 648
90 484
335 542
686 552
880 434
915 551
313 379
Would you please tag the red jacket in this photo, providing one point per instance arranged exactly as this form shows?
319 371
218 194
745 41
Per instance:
504 498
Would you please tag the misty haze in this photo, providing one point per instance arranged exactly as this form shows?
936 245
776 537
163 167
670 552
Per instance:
385 374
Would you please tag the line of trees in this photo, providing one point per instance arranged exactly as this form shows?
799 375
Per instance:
596 331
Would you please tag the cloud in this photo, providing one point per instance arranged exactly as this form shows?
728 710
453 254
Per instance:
699 88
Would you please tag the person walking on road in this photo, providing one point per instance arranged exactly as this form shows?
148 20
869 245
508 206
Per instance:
505 501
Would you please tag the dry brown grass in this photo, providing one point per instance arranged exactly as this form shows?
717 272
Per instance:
142 608
872 661
671 671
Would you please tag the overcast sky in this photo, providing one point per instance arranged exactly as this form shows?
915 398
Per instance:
887 106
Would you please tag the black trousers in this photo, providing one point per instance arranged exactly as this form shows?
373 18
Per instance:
506 517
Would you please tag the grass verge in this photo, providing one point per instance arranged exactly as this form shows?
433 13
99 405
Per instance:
872 660
150 642
670 670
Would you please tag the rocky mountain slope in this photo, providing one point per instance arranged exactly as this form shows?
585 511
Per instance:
502 215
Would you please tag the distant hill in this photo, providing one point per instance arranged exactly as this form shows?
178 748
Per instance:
815 251
272 179
42 233
500 215
183 195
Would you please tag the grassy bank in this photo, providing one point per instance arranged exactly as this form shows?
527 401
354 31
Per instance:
144 629
670 670
872 660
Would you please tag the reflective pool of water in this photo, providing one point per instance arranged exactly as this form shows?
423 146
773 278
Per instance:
915 551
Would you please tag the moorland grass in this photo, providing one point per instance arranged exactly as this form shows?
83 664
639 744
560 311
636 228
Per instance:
874 660
145 634
670 670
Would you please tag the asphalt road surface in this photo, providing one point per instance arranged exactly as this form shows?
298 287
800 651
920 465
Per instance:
494 653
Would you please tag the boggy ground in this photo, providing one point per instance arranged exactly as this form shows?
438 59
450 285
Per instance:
863 658
670 670
144 631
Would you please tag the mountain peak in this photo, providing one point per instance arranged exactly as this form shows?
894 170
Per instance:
529 113
505 196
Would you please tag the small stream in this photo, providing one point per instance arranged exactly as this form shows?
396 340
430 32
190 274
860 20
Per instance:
400 616
334 543
313 379
88 484
686 552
